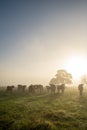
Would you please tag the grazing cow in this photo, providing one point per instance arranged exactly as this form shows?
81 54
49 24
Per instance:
80 88
9 88
21 88
61 88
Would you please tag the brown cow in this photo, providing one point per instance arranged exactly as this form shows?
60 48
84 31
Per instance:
9 88
21 88
31 89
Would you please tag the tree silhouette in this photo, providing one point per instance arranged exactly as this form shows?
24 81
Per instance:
62 77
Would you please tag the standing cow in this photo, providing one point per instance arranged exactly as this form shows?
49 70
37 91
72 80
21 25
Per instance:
53 88
35 88
48 88
38 88
80 88
31 89
21 88
61 88
9 88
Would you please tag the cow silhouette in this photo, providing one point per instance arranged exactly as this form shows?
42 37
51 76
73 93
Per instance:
51 89
61 88
21 88
9 88
80 88
35 88
48 88
31 89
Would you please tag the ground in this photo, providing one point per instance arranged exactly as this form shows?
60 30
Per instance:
21 111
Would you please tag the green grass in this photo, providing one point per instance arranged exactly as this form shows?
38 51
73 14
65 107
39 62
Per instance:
21 111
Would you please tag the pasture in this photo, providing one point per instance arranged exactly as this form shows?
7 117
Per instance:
22 111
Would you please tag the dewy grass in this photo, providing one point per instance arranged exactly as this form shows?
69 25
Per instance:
43 112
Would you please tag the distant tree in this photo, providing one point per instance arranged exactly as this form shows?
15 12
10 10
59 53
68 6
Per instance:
62 77
84 79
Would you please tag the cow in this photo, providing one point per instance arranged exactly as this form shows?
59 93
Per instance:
38 88
21 88
48 88
80 88
35 88
61 88
9 88
31 89
51 88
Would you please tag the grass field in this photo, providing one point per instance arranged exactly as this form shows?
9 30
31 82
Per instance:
21 111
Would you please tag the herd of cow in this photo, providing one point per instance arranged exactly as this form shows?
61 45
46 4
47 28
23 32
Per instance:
38 88
33 89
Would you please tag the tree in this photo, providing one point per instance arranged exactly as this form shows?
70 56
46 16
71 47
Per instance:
62 77
84 79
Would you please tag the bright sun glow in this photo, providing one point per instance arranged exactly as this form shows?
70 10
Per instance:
77 66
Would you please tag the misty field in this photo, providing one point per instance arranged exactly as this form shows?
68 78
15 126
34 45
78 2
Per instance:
21 111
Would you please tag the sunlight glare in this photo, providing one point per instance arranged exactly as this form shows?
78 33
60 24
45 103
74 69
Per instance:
77 66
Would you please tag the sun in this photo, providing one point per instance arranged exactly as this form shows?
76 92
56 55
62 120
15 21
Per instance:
77 66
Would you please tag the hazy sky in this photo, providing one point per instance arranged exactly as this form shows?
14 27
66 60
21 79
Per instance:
38 37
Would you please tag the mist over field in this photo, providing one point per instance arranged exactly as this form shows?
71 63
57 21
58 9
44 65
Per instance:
43 65
37 38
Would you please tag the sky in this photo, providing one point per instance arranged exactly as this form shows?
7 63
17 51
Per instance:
39 37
